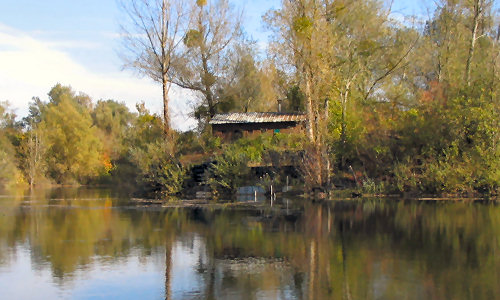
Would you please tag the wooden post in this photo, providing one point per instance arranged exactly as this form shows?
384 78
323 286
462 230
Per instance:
271 195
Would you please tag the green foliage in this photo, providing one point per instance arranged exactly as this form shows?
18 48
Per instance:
146 128
405 109
150 159
231 168
192 38
36 108
296 99
114 120
188 142
201 3
406 177
303 25
450 149
251 85
209 142
252 148
32 153
160 174
284 141
9 173
59 93
74 153
371 186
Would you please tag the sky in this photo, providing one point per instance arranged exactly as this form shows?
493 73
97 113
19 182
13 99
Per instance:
76 43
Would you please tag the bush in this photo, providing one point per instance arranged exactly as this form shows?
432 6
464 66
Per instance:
9 174
231 169
159 172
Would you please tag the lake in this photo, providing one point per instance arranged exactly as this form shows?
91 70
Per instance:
78 243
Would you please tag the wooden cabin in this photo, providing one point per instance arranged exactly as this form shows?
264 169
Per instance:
231 126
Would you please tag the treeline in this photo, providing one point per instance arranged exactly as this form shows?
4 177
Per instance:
409 107
72 140
391 106
396 105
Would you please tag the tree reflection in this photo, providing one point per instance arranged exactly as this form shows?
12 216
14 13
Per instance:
168 267
339 250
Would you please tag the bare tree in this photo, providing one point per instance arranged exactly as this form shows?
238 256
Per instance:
478 8
152 34
33 144
35 149
203 65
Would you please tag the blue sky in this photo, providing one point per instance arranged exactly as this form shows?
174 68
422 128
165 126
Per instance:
76 43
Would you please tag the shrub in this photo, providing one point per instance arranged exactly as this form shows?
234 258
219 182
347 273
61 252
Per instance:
159 172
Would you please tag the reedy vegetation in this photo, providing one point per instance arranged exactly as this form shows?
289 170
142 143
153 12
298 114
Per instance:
406 107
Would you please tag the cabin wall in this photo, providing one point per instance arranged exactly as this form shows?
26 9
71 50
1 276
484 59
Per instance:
228 132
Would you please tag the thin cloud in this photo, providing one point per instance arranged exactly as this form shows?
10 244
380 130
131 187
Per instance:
30 67
73 45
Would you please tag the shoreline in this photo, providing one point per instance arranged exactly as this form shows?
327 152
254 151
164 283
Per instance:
210 204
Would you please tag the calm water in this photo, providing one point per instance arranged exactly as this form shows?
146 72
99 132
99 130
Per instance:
89 244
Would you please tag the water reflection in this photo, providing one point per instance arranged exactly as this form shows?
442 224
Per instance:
80 243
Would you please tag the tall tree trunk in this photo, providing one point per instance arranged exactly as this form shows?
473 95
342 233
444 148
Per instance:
32 162
343 134
343 131
211 104
166 115
478 7
312 132
164 66
443 58
206 81
494 63
326 147
309 108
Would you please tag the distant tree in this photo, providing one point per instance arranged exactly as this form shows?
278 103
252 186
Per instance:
145 129
152 33
151 161
114 121
478 11
32 149
74 152
295 99
250 85
300 39
9 173
338 54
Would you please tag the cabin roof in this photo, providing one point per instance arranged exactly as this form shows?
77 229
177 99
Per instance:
256 117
